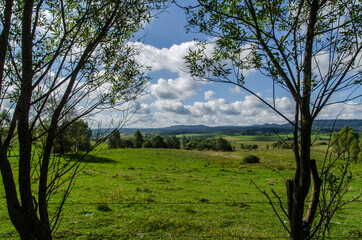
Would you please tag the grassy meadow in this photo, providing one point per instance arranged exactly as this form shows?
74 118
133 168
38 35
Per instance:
180 194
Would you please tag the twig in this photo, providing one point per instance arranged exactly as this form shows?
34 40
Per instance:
271 204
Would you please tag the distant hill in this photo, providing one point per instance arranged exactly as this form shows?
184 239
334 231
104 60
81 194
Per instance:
319 125
356 124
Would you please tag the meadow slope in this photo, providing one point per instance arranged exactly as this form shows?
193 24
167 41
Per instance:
179 194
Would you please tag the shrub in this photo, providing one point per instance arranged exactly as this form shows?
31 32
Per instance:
103 208
146 144
251 159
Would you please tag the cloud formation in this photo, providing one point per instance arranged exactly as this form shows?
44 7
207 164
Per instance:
179 88
174 101
215 112
171 59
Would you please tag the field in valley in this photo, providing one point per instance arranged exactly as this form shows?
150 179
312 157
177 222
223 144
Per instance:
180 194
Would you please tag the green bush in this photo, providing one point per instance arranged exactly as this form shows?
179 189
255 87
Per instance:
103 208
251 159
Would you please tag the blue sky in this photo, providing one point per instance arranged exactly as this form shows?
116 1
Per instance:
174 98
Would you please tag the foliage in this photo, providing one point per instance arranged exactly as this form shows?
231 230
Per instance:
216 144
137 139
146 144
183 142
282 144
250 158
114 140
158 142
173 142
4 123
75 137
248 146
337 179
346 143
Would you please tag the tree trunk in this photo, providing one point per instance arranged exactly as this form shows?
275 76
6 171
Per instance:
24 215
299 228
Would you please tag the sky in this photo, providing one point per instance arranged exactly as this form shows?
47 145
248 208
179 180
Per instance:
173 97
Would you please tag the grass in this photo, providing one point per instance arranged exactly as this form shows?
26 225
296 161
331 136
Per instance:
178 194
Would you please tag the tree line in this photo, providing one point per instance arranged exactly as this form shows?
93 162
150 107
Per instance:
156 141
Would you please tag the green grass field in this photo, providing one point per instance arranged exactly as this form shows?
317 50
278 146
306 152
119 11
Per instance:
179 194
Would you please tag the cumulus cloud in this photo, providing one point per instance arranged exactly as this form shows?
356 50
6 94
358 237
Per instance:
176 107
169 96
348 110
248 111
208 95
179 88
320 65
235 89
143 109
171 59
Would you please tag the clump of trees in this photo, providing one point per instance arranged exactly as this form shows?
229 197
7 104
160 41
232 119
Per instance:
75 137
156 141
215 144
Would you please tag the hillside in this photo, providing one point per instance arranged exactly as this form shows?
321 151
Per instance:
319 125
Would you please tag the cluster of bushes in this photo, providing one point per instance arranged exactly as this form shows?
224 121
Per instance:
157 141
248 146
216 144
282 145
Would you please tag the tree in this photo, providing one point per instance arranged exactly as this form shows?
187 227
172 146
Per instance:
137 139
146 144
158 142
4 123
172 142
114 140
222 145
75 137
285 41
183 142
56 56
345 142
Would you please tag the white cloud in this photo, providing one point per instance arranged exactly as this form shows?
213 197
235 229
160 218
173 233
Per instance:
320 65
143 109
213 112
208 95
235 89
179 88
171 59
349 110
169 96
176 107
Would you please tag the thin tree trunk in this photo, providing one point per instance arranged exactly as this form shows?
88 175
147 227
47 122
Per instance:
31 227
302 177
314 198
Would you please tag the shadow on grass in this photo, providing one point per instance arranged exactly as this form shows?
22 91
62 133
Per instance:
88 159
